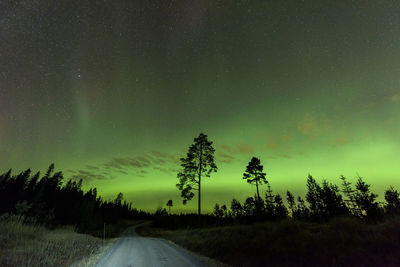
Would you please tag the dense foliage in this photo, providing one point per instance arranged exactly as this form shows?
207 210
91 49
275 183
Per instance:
52 201
322 202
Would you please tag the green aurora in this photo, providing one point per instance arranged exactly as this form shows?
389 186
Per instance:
114 92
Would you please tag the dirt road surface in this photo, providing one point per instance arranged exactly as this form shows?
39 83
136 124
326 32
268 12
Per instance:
133 250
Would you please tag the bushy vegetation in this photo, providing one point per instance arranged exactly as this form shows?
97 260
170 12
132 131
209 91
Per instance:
51 202
338 242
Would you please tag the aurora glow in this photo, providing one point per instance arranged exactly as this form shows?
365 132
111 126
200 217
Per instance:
115 91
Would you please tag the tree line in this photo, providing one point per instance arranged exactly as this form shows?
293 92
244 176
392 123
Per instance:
50 201
322 201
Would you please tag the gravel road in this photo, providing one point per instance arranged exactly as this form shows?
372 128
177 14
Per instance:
133 250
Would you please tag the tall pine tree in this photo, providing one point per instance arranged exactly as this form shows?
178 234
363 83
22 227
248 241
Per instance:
199 163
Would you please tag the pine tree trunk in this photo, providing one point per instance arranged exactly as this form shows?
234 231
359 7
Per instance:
200 166
258 194
258 202
199 211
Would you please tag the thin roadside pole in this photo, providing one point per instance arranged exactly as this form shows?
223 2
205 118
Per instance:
104 233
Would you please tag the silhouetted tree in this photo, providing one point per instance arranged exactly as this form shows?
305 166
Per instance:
224 210
119 198
169 205
291 202
269 201
280 209
366 201
333 204
302 211
218 212
349 194
54 203
254 174
325 201
392 201
198 163
237 209
313 196
249 206
161 212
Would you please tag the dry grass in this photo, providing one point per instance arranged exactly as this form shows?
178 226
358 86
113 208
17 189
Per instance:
29 244
342 242
94 258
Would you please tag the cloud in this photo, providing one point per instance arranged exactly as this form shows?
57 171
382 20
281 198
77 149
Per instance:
280 156
121 163
159 154
135 166
174 170
224 157
284 155
237 149
226 148
276 142
158 161
396 98
245 149
272 144
154 159
143 160
286 137
141 173
92 167
89 176
163 169
340 140
309 126
163 157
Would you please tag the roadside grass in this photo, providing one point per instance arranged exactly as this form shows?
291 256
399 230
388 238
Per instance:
25 243
341 242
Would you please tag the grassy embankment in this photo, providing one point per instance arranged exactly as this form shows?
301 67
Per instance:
341 242
29 244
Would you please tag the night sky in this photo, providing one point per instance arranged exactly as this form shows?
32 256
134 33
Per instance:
115 91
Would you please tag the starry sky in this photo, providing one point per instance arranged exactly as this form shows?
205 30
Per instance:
114 92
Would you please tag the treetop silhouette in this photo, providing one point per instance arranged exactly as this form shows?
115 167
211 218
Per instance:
169 205
254 174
